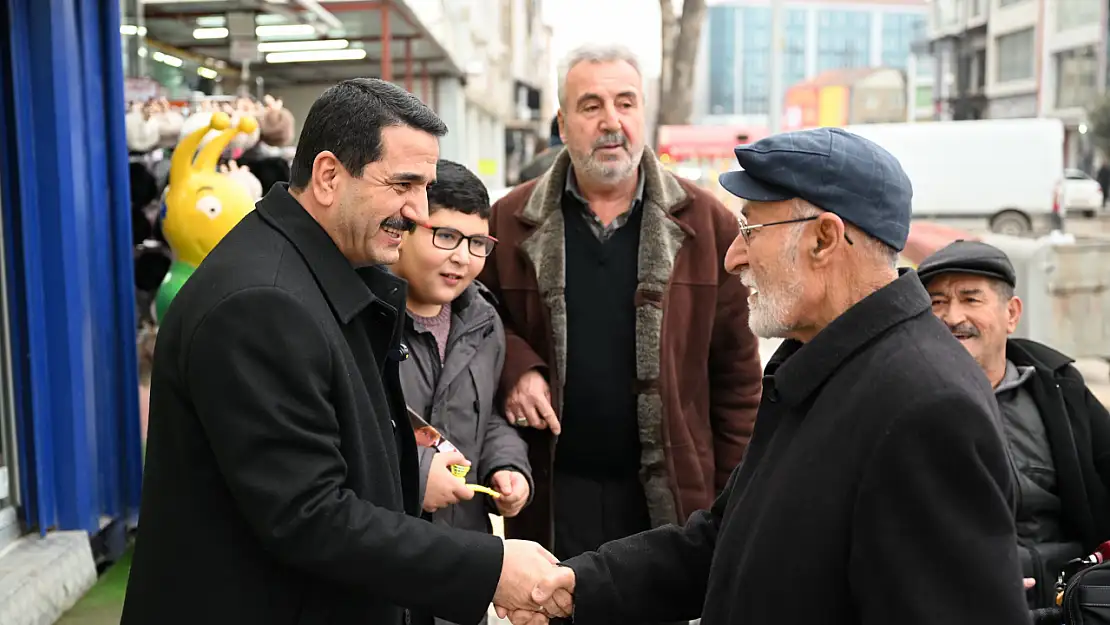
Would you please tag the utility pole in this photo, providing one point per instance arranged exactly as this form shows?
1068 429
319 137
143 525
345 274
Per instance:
774 110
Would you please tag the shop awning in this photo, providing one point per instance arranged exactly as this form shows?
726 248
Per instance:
380 39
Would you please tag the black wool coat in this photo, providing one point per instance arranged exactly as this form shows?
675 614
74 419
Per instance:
875 491
281 471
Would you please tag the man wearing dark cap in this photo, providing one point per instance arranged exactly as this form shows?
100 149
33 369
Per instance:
875 489
1056 433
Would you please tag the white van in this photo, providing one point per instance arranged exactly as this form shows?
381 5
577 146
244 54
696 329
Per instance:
1009 172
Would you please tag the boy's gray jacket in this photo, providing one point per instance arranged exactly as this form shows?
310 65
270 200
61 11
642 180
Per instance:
459 399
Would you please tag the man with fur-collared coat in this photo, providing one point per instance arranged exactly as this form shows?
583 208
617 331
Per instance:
630 367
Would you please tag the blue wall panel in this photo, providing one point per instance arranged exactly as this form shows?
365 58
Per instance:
67 222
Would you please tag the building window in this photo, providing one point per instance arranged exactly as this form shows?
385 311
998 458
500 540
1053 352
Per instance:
1015 56
1074 13
794 55
722 60
755 61
1076 72
900 31
843 40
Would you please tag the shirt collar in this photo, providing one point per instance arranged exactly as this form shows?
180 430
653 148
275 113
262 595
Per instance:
1014 377
572 187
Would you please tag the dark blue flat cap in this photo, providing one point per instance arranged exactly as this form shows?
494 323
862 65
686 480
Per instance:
834 170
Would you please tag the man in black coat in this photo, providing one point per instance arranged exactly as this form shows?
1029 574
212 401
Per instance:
281 475
875 489
1056 432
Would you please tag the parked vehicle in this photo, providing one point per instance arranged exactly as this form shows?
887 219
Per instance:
1009 172
1084 193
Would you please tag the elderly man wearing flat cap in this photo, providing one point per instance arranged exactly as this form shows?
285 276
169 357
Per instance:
1056 433
875 489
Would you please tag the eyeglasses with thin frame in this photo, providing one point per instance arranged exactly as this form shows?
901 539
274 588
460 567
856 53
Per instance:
445 238
746 229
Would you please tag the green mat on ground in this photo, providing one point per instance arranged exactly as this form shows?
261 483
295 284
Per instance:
103 604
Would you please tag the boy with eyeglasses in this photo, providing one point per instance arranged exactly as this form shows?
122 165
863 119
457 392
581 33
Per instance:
457 347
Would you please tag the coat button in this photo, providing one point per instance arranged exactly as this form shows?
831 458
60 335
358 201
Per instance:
773 396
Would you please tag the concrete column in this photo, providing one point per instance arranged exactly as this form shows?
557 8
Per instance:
876 52
134 61
451 107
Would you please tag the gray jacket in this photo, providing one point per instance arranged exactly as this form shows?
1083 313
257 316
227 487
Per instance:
458 398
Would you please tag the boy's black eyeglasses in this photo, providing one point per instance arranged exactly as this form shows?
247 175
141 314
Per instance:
448 239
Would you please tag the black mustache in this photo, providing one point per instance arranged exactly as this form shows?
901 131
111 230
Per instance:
402 224
965 329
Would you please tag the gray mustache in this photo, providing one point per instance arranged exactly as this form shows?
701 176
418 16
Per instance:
965 329
612 138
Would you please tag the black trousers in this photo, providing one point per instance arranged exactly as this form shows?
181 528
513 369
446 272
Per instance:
590 512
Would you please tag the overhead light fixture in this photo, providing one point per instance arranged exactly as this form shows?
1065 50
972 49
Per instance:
299 46
162 57
211 21
285 30
132 30
210 74
210 33
308 56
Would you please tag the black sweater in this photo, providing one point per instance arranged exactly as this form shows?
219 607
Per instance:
600 435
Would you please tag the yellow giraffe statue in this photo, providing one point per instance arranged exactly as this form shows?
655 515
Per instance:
202 204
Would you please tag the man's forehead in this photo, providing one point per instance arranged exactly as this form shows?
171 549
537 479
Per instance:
956 282
612 77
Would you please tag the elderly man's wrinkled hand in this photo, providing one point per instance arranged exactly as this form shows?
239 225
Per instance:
524 565
555 592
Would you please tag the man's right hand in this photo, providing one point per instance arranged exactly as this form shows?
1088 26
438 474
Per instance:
444 489
524 566
529 403
555 592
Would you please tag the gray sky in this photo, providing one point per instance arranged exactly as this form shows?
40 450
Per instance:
634 23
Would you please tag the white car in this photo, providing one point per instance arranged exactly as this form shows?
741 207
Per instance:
1083 192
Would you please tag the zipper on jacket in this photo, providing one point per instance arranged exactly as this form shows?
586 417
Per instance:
478 324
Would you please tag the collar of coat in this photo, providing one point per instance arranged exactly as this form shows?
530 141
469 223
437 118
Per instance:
348 290
799 369
1024 352
662 235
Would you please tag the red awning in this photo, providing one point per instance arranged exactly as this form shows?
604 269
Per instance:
690 142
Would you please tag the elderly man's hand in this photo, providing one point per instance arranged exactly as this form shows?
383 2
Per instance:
529 403
524 565
555 592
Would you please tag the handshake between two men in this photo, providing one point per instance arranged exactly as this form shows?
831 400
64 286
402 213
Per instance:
533 587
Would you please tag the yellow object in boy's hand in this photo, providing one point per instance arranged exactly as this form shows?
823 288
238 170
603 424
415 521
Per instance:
460 471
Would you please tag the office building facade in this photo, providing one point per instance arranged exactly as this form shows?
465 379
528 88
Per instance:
733 80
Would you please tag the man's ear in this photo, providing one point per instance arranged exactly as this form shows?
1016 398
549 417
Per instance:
562 126
324 184
1013 314
828 236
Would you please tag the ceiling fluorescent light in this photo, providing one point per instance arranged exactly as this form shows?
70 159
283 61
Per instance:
210 33
211 74
131 29
308 56
211 21
299 46
162 57
285 30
